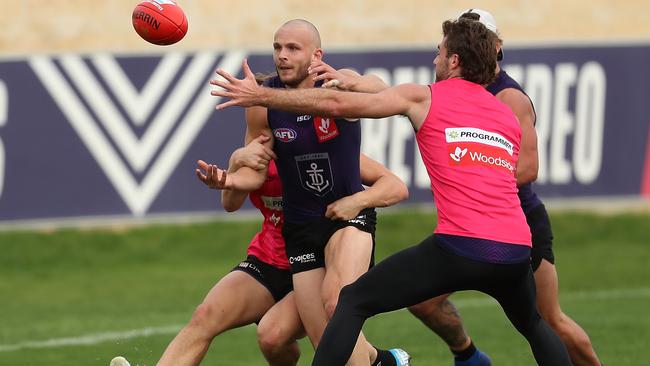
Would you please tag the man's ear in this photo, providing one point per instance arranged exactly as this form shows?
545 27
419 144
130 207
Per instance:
454 61
317 55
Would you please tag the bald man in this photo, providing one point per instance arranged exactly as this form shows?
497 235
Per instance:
328 244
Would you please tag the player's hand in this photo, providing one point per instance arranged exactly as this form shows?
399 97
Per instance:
240 92
345 208
339 79
255 155
211 175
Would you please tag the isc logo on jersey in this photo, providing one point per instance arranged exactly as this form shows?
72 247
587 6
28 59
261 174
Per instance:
285 134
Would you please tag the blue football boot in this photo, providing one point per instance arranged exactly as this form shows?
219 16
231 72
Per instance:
478 359
401 357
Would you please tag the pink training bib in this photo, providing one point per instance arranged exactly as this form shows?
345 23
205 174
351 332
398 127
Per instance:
469 143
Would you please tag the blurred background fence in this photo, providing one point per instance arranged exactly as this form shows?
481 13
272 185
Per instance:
95 122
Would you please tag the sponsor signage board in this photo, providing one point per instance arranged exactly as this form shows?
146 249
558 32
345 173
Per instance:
109 134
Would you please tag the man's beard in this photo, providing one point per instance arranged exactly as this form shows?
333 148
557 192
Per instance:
296 80
440 75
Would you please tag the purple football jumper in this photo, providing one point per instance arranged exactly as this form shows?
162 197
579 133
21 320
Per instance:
318 160
528 198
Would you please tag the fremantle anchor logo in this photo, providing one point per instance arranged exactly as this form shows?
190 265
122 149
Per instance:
317 182
150 103
315 173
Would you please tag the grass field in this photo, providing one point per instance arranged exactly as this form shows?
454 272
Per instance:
81 297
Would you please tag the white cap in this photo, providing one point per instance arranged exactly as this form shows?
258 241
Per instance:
484 17
488 21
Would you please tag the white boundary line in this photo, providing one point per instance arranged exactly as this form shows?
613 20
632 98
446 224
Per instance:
91 339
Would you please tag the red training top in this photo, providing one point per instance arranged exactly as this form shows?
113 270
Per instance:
268 244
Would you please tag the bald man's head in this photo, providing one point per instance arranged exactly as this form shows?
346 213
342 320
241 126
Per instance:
296 45
301 25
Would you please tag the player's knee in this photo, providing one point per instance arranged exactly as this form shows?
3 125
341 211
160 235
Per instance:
582 340
348 298
561 325
353 298
530 324
202 313
271 339
330 303
205 320
331 300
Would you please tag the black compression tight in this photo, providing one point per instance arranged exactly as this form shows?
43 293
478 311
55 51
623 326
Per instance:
425 271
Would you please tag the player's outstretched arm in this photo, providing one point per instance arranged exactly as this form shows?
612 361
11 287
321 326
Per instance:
405 99
385 189
255 155
246 172
346 79
249 164
234 185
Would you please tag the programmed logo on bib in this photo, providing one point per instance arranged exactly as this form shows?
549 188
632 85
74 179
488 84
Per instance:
468 146
315 173
273 203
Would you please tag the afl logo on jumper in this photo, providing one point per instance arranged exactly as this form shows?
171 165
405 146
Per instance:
325 128
315 173
284 134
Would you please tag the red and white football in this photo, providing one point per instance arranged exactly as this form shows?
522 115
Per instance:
160 22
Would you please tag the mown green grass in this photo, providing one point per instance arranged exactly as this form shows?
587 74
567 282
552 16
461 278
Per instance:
71 283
